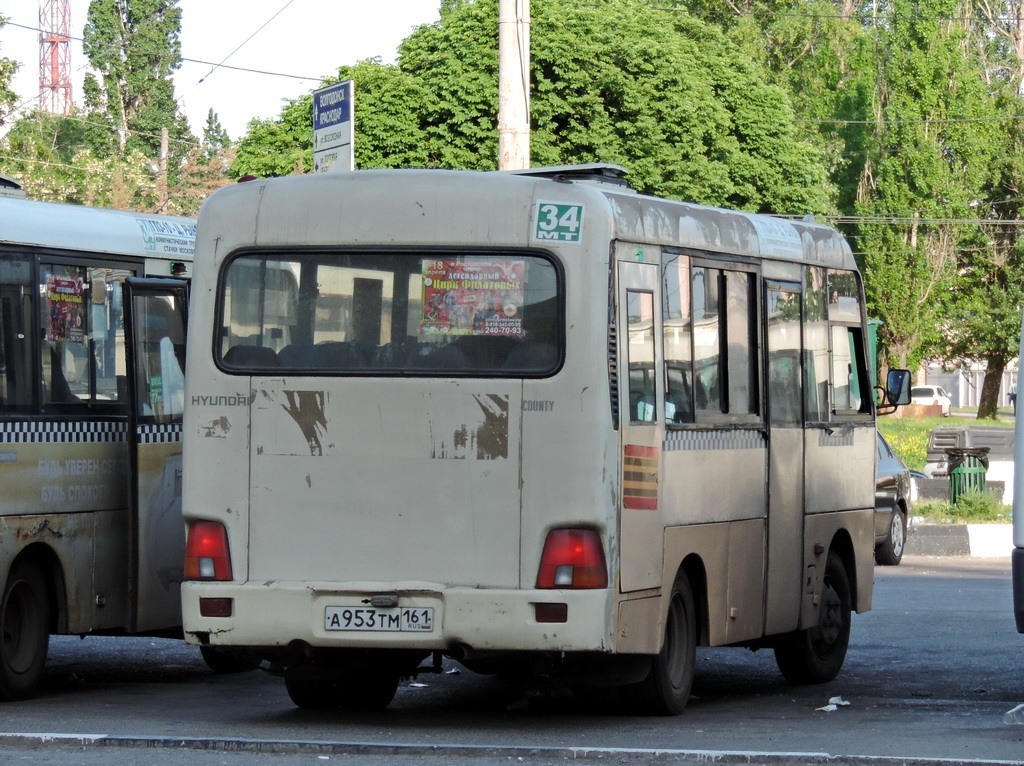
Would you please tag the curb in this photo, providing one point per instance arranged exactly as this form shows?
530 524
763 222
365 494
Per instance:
976 540
582 754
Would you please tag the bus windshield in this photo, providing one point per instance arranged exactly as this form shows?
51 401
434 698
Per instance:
391 313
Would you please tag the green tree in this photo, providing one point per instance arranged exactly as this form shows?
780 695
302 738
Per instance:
823 54
620 81
934 149
8 98
41 150
134 48
281 146
215 137
981 319
47 155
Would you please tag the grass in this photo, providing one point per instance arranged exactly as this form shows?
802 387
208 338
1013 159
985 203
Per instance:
971 508
908 438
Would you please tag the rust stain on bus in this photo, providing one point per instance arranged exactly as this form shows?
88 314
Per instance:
216 429
27 529
306 408
484 439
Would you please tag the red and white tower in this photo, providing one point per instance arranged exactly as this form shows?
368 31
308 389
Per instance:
55 56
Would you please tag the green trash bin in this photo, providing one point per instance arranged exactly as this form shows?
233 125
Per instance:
967 469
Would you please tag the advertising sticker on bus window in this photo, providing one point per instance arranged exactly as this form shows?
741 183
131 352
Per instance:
66 320
473 297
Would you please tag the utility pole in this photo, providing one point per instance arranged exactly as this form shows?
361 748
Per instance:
513 84
55 56
162 190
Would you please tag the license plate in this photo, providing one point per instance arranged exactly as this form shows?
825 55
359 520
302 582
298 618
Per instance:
397 619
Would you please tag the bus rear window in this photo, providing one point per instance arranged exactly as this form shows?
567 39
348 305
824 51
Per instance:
391 313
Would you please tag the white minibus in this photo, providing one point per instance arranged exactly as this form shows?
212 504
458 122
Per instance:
92 334
535 422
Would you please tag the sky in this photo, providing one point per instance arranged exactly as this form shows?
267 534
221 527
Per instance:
293 44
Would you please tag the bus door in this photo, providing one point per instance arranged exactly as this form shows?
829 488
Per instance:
641 397
155 321
783 303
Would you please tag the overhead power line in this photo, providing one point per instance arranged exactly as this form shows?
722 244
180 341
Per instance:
216 65
891 220
244 42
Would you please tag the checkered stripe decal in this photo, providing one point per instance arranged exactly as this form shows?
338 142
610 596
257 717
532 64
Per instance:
160 434
837 438
62 432
689 441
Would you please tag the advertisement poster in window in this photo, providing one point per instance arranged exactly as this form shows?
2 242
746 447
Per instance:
473 297
67 319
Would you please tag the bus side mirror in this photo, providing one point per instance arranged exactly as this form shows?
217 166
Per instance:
897 388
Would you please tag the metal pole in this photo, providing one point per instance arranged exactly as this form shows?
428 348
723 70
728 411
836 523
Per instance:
513 84
1017 555
163 192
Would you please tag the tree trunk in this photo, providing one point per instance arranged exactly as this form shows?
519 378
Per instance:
989 400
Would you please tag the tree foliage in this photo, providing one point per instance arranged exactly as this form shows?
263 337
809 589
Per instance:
8 98
106 153
659 92
215 137
133 46
936 139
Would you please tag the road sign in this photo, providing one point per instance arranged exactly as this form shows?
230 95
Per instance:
334 127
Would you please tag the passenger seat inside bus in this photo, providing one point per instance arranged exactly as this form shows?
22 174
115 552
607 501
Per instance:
251 357
529 356
59 392
332 355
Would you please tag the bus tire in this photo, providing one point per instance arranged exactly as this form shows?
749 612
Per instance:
666 689
24 626
890 552
363 692
369 691
224 661
816 655
312 693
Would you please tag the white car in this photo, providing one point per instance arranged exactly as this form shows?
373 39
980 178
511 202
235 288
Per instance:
930 395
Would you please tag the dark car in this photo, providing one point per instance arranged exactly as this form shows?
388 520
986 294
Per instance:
893 495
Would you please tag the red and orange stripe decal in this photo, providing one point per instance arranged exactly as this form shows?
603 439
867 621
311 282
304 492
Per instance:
640 477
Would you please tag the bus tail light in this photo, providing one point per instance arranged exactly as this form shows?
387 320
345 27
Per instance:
572 558
206 552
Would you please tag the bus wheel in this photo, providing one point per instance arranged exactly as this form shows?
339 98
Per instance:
24 624
368 691
312 693
816 655
666 689
363 692
890 552
222 661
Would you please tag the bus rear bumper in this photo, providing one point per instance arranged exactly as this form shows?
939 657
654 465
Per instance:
396 616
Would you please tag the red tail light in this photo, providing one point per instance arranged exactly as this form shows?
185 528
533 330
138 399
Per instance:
572 558
206 552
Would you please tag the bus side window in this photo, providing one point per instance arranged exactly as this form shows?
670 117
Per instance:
677 330
817 370
848 370
56 386
640 350
707 326
850 392
16 390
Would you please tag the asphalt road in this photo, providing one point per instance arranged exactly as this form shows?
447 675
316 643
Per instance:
930 673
